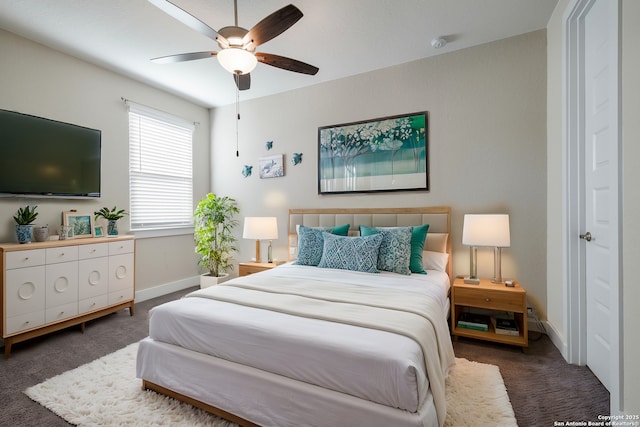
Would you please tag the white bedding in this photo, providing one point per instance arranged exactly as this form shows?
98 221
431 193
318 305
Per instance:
263 398
371 364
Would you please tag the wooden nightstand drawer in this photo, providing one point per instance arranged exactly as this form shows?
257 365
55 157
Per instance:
494 300
247 268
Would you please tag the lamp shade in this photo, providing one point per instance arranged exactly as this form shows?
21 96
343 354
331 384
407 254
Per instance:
260 227
237 60
486 230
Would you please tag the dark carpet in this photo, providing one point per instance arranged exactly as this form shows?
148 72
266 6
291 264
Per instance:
542 387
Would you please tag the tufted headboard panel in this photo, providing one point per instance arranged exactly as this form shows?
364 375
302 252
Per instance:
438 218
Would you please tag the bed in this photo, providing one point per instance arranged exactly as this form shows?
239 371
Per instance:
315 343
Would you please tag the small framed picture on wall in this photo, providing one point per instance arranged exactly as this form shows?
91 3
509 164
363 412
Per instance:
271 166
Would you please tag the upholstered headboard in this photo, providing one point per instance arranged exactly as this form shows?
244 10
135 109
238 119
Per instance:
438 218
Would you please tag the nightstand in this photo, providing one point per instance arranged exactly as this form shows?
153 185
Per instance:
247 268
494 297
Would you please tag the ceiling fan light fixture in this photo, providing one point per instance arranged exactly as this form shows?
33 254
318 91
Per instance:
237 61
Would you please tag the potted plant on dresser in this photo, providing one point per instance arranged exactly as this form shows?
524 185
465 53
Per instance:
23 218
213 232
112 216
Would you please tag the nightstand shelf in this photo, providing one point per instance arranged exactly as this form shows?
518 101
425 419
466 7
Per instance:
495 297
247 268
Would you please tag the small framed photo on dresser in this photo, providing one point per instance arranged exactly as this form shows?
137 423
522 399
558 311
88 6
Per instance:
82 223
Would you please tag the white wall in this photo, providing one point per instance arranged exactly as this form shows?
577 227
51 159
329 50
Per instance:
630 109
631 204
555 300
43 82
487 132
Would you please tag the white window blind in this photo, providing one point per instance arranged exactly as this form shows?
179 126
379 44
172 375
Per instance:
160 169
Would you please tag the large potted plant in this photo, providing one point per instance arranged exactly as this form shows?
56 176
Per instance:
213 232
112 216
23 218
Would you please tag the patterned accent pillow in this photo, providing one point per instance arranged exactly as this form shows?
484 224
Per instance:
351 253
310 243
418 240
395 249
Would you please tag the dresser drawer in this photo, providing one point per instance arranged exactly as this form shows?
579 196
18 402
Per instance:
494 300
121 273
24 291
62 254
121 295
61 312
61 284
93 277
122 247
93 303
93 251
24 321
30 258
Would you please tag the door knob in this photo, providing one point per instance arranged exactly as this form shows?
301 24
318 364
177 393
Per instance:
586 236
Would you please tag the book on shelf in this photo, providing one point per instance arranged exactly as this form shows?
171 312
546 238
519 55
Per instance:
479 322
505 326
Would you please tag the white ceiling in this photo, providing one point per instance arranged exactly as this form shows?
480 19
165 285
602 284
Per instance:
341 37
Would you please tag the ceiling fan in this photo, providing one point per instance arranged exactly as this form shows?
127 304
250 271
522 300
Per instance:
238 45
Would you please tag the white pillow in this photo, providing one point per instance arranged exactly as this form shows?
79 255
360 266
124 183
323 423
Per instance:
435 260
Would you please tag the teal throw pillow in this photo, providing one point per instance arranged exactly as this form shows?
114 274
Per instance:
340 230
418 238
310 243
395 248
351 253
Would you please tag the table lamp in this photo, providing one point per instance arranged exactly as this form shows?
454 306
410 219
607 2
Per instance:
257 227
485 230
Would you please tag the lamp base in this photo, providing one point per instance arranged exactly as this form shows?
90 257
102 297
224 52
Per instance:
471 280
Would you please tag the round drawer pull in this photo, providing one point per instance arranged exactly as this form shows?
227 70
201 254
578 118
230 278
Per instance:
487 299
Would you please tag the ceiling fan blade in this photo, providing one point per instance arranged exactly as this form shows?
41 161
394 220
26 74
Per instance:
271 26
243 81
181 57
186 18
286 63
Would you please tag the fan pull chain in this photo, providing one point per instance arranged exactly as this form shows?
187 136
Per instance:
237 116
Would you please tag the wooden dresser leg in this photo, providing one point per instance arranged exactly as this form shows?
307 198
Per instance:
7 348
131 308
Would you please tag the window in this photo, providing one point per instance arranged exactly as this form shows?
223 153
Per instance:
160 170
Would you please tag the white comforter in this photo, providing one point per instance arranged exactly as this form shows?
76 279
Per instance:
372 364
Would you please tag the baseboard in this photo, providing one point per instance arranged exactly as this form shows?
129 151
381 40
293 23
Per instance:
166 288
557 339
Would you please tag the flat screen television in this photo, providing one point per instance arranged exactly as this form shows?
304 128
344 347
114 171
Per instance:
43 157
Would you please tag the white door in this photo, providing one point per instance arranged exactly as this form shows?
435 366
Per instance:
601 192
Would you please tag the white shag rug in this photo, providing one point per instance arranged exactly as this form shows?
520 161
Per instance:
106 392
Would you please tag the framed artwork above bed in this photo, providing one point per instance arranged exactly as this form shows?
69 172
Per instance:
384 154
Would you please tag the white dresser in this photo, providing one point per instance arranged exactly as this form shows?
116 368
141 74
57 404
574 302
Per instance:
48 286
